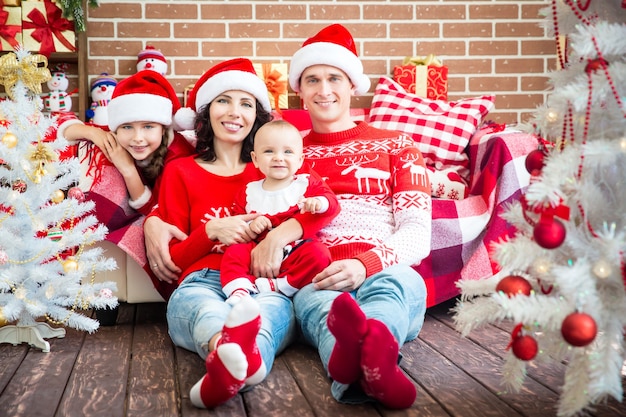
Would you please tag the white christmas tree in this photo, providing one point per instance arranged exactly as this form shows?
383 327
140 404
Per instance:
47 264
563 274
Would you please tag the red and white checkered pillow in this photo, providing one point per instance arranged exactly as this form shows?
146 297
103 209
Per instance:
441 129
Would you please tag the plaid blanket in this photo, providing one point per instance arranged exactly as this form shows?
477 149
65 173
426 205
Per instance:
463 230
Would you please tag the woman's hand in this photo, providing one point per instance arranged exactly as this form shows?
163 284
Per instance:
344 275
157 235
231 230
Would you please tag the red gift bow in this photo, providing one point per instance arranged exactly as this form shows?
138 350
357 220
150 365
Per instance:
548 212
47 29
8 32
274 85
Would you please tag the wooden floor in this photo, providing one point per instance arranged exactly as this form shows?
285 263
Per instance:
132 369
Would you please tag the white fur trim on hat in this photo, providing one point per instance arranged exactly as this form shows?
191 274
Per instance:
327 53
232 80
139 107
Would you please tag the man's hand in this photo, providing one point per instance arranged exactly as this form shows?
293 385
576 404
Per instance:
344 275
157 235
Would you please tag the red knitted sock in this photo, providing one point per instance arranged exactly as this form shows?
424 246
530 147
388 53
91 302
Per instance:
347 323
382 377
226 370
242 327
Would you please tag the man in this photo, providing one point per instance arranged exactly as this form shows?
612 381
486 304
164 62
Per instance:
369 300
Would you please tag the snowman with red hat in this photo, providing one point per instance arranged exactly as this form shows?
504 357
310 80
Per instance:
151 59
101 93
58 99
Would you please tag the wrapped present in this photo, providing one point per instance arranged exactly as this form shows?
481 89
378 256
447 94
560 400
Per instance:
10 27
425 76
45 30
275 77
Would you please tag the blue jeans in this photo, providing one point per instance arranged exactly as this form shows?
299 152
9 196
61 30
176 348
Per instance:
396 296
196 312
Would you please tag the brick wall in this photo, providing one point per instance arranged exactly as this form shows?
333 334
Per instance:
490 46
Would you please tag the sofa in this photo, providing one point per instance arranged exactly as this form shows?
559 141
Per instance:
476 168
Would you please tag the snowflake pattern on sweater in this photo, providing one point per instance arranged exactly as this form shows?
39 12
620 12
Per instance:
380 179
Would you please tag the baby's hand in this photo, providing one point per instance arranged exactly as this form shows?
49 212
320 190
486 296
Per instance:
260 224
310 205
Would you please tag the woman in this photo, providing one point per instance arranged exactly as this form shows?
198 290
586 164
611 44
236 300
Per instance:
197 193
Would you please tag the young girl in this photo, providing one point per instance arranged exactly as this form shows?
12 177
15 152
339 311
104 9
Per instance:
285 191
126 162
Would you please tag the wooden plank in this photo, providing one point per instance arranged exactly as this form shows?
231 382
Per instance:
38 384
277 396
11 358
547 372
305 369
457 391
190 368
97 386
533 400
152 381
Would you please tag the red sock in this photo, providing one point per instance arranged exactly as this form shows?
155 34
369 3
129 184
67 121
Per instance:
348 324
242 327
226 370
382 377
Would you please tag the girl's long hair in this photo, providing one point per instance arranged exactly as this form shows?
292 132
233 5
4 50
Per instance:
205 146
154 168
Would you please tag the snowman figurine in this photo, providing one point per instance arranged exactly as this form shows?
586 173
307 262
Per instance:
101 92
58 100
151 59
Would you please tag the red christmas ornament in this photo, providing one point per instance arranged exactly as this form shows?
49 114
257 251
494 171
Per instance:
513 285
579 329
19 186
595 64
76 193
524 347
549 233
535 161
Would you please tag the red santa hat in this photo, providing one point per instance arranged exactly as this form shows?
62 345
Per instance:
332 46
150 52
143 97
234 74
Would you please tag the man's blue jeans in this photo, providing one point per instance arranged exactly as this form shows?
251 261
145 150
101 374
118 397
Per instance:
396 296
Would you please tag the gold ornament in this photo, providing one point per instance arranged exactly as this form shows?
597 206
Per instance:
3 319
32 70
58 196
40 155
9 140
70 265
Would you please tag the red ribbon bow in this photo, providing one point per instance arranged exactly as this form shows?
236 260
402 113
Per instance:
548 212
48 27
8 32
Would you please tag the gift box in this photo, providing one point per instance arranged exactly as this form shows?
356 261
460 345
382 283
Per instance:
45 30
424 76
275 77
10 27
